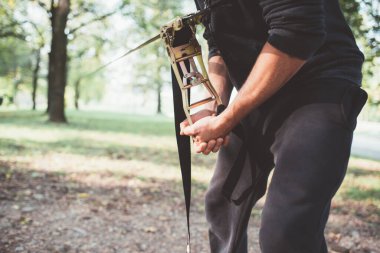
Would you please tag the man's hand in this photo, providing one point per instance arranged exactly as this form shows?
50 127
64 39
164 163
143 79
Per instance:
202 143
218 75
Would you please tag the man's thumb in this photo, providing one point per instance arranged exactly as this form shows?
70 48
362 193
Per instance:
189 130
183 124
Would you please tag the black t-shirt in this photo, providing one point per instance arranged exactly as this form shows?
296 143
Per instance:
313 30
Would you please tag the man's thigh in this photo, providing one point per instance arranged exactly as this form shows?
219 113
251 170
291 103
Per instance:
311 151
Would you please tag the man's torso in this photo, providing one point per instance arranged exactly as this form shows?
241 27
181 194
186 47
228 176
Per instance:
239 31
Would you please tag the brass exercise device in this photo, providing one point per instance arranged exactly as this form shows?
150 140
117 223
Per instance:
191 52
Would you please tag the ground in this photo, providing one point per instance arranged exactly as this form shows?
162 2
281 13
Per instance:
110 182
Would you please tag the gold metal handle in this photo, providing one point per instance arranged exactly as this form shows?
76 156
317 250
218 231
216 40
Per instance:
191 52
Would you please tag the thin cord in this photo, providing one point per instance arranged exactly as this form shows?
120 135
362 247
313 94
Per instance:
122 56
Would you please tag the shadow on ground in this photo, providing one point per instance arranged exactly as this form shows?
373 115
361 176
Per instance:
80 212
107 212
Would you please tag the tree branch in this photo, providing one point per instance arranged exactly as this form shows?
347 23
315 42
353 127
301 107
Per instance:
96 19
12 25
36 28
12 34
80 12
43 5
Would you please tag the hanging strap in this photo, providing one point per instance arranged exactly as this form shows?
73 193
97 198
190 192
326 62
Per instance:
183 141
184 151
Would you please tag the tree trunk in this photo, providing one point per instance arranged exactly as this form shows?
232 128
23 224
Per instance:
77 93
16 82
58 58
35 77
49 81
159 103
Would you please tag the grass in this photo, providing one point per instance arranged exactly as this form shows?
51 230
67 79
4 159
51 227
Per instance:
143 146
92 121
102 138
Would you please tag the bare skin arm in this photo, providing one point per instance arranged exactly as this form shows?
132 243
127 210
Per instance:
219 78
271 71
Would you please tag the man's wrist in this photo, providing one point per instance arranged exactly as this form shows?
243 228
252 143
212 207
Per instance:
224 123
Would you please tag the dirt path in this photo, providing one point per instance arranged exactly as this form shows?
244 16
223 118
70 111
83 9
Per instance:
48 212
54 212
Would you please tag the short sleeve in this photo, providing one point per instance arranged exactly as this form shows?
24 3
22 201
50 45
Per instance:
212 48
296 27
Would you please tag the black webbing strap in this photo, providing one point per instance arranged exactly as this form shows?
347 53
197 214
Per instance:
183 142
237 167
184 151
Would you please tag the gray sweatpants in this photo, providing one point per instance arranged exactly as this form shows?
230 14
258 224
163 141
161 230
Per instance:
305 132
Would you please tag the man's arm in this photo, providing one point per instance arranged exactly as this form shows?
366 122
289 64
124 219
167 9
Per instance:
271 71
220 80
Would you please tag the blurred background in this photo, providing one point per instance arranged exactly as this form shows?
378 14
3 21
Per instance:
88 161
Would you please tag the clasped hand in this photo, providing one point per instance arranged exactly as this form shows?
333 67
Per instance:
208 133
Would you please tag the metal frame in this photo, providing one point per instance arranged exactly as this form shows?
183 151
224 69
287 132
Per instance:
191 51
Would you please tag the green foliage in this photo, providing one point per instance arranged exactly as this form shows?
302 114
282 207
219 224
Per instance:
15 63
29 20
10 26
83 60
152 71
363 16
12 57
87 40
20 39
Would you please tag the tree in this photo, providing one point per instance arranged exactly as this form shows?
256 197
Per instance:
58 60
39 43
59 12
12 59
19 24
149 16
36 71
363 16
86 86
15 64
85 55
10 27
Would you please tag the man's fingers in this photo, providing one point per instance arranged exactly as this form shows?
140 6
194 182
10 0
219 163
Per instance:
182 125
186 123
219 143
210 146
189 130
200 146
226 140
194 118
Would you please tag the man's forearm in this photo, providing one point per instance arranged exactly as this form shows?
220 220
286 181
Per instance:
219 79
271 71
